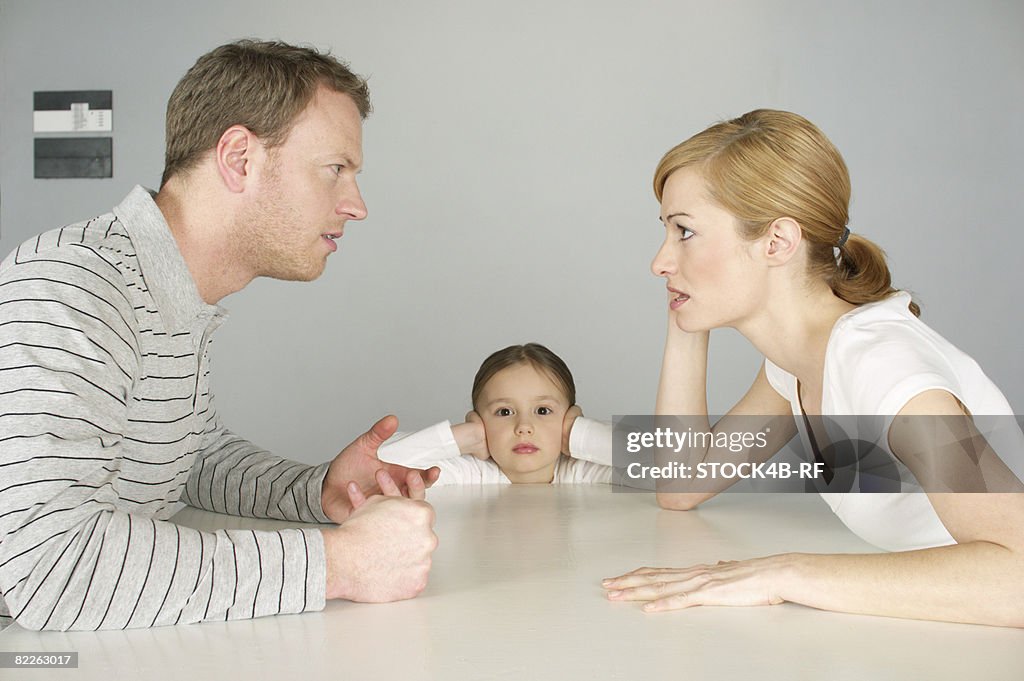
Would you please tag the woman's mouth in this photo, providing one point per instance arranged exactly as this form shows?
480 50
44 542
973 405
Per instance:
677 299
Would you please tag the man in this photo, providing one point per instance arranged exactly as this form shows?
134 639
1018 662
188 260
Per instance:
107 425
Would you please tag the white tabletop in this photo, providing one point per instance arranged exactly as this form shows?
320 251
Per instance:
515 594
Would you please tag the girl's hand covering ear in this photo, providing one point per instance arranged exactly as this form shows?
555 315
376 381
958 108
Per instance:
471 436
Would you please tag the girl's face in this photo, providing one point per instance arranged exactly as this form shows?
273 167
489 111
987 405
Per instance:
712 274
522 409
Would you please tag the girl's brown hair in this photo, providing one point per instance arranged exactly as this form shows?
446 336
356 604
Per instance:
533 354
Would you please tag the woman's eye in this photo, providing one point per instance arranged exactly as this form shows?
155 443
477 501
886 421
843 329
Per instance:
684 232
503 411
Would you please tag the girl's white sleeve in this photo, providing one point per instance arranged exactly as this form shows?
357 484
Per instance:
422 449
436 446
591 440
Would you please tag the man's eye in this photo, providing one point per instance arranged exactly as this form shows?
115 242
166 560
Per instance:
503 411
337 168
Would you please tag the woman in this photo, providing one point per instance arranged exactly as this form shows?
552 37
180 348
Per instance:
755 212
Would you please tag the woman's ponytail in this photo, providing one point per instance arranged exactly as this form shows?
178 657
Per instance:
862 274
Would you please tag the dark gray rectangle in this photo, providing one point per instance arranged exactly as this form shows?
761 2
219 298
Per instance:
58 157
39 660
61 100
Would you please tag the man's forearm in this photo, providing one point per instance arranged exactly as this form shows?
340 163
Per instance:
234 476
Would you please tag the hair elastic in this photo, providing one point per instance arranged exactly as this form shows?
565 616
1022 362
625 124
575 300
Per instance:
844 237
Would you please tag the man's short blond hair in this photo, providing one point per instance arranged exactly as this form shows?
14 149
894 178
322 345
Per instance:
260 85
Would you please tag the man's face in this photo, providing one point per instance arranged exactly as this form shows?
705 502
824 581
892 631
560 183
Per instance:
307 191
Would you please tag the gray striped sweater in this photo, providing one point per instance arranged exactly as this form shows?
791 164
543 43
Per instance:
108 427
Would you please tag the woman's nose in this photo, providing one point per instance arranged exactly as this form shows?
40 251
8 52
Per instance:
663 264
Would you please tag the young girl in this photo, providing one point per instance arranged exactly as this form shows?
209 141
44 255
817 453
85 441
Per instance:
755 212
524 419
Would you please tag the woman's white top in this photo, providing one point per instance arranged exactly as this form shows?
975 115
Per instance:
878 358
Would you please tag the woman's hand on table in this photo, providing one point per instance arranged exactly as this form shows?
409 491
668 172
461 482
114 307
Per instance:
745 582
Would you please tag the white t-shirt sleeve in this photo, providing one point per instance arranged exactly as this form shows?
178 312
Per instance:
877 370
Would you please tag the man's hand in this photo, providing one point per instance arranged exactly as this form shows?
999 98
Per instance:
570 418
358 463
382 552
471 436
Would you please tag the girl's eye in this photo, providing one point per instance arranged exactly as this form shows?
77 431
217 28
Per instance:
684 232
503 411
544 411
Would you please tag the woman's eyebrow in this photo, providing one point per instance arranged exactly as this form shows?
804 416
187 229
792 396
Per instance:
675 215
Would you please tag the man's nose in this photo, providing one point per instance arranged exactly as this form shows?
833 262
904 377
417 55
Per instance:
351 204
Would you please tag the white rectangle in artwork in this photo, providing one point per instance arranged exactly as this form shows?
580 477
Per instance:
79 118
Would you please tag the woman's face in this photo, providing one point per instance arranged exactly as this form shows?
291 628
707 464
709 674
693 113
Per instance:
522 409
712 275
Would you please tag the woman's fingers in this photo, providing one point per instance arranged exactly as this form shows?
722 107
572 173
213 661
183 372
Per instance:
674 602
732 583
658 586
646 575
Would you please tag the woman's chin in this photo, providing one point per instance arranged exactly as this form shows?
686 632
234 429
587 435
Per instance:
690 325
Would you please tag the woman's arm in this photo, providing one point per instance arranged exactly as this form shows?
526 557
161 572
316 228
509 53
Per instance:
978 580
683 387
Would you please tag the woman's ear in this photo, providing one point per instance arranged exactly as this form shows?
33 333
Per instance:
784 236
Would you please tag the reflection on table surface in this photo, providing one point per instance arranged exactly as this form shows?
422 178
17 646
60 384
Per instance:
515 594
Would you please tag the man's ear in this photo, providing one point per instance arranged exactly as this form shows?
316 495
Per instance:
234 154
783 238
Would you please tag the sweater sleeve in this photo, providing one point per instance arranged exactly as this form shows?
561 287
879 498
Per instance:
80 547
233 476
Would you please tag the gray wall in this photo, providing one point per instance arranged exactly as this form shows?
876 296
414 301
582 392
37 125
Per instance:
508 170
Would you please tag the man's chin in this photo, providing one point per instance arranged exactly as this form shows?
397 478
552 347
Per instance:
309 274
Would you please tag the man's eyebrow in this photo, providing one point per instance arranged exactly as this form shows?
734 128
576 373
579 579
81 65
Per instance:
345 159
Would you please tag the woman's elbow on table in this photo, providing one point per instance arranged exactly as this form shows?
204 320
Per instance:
680 501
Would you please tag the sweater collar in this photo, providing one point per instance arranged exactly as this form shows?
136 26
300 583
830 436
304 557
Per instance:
167 276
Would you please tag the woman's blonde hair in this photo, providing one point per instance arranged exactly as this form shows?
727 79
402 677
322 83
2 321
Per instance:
770 164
